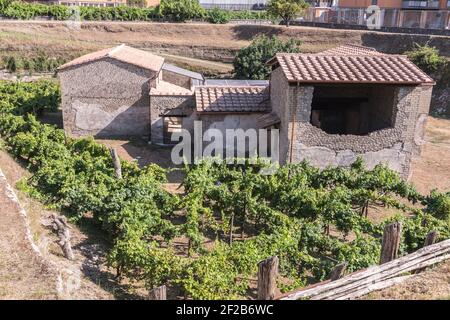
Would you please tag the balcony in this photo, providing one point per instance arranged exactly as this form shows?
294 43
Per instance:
421 4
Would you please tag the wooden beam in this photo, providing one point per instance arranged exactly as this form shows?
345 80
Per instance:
363 279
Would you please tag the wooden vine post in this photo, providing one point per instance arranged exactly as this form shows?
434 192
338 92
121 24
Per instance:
338 271
116 162
267 275
429 240
159 293
391 242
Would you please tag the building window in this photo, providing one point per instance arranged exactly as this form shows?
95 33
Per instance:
171 125
355 110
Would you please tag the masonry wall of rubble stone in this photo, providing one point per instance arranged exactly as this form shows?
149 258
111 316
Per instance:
106 98
394 146
170 105
281 96
177 79
224 122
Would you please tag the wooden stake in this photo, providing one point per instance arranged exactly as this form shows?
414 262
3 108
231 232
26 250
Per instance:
391 242
159 293
430 240
116 162
230 235
338 271
267 275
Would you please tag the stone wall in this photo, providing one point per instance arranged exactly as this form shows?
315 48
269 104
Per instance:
106 98
280 95
170 105
177 79
394 145
222 122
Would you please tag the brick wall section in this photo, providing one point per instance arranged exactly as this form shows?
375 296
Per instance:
106 98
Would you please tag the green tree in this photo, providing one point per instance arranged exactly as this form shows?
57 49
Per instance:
217 15
181 10
286 9
250 62
426 58
4 4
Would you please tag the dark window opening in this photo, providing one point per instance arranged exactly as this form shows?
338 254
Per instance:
355 110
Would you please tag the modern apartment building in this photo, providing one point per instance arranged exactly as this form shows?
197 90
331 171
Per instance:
396 4
412 14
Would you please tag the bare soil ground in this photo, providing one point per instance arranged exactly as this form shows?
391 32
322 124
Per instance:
23 275
194 40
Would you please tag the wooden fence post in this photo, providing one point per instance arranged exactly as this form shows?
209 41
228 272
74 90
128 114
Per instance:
116 162
391 242
159 293
338 271
267 274
430 240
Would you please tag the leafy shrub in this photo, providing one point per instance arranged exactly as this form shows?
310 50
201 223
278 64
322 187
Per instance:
250 62
39 63
4 4
25 11
181 10
427 58
217 16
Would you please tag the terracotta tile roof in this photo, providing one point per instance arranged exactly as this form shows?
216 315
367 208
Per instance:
140 58
352 49
267 120
320 68
166 88
232 99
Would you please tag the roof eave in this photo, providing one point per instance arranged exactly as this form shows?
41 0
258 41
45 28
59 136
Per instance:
362 82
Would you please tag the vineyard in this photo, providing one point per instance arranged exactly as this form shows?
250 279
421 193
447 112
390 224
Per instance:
230 217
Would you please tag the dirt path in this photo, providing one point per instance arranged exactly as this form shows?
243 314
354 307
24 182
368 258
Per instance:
23 274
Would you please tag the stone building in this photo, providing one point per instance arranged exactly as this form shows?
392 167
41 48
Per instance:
329 107
108 93
347 102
